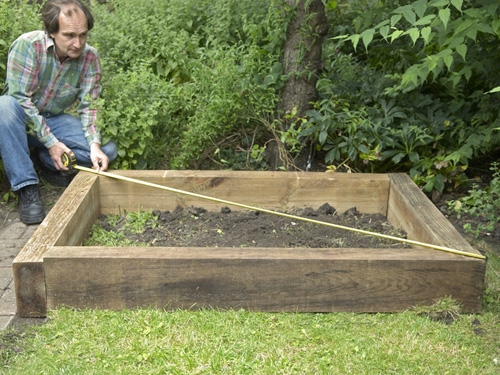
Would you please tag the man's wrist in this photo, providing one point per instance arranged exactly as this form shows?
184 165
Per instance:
95 146
50 141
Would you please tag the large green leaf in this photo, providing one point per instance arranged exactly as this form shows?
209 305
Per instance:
426 33
420 7
395 19
448 61
367 37
384 31
396 34
462 50
354 40
425 20
496 89
414 34
444 16
457 4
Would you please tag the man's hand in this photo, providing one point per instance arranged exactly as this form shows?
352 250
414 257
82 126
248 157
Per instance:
56 152
99 159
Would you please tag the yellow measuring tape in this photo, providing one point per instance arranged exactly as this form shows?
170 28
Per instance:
294 217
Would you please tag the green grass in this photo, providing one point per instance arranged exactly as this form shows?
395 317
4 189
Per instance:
152 341
491 295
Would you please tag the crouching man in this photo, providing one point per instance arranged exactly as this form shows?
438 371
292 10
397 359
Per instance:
48 72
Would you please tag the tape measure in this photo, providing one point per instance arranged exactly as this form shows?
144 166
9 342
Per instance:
68 160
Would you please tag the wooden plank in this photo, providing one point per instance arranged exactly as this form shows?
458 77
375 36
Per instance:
411 210
305 280
271 190
67 223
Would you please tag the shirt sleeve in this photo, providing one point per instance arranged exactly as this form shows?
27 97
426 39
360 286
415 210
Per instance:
22 82
90 92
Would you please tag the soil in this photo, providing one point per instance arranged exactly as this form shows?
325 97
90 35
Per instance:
197 227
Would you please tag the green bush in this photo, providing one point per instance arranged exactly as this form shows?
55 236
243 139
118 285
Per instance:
482 204
396 99
130 109
188 84
184 75
16 18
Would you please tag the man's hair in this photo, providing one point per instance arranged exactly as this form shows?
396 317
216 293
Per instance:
52 10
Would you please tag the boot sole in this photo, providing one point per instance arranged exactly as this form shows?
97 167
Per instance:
29 220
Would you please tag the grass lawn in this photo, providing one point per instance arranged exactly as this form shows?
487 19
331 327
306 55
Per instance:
239 342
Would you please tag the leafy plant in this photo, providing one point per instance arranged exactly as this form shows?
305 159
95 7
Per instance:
374 115
137 222
205 72
481 203
129 222
16 17
130 111
449 32
102 237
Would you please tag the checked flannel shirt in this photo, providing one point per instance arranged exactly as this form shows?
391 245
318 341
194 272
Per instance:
45 86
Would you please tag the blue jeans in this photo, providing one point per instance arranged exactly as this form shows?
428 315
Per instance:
15 143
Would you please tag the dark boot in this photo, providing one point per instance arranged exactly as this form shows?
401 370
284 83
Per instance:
30 205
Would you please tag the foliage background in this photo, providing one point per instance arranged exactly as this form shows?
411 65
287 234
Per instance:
197 84
426 67
182 76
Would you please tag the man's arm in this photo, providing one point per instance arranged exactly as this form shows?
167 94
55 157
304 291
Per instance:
90 90
22 82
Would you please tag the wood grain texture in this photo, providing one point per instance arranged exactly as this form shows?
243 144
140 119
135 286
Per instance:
67 223
274 279
271 190
412 211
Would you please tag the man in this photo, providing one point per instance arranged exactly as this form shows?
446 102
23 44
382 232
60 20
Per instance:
47 72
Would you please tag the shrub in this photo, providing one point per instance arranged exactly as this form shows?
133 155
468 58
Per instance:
16 18
185 75
396 98
482 204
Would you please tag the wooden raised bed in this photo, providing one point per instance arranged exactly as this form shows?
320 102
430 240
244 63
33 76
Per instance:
53 269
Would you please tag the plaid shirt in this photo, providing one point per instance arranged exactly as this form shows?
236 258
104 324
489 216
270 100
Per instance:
45 86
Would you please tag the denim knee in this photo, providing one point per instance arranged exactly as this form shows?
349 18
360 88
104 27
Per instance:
111 151
12 112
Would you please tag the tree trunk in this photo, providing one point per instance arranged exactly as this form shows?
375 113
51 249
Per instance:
302 56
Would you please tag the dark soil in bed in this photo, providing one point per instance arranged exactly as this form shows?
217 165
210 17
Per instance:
197 227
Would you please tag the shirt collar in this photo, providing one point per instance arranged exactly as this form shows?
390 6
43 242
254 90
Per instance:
49 42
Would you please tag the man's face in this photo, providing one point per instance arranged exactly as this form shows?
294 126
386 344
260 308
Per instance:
72 35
